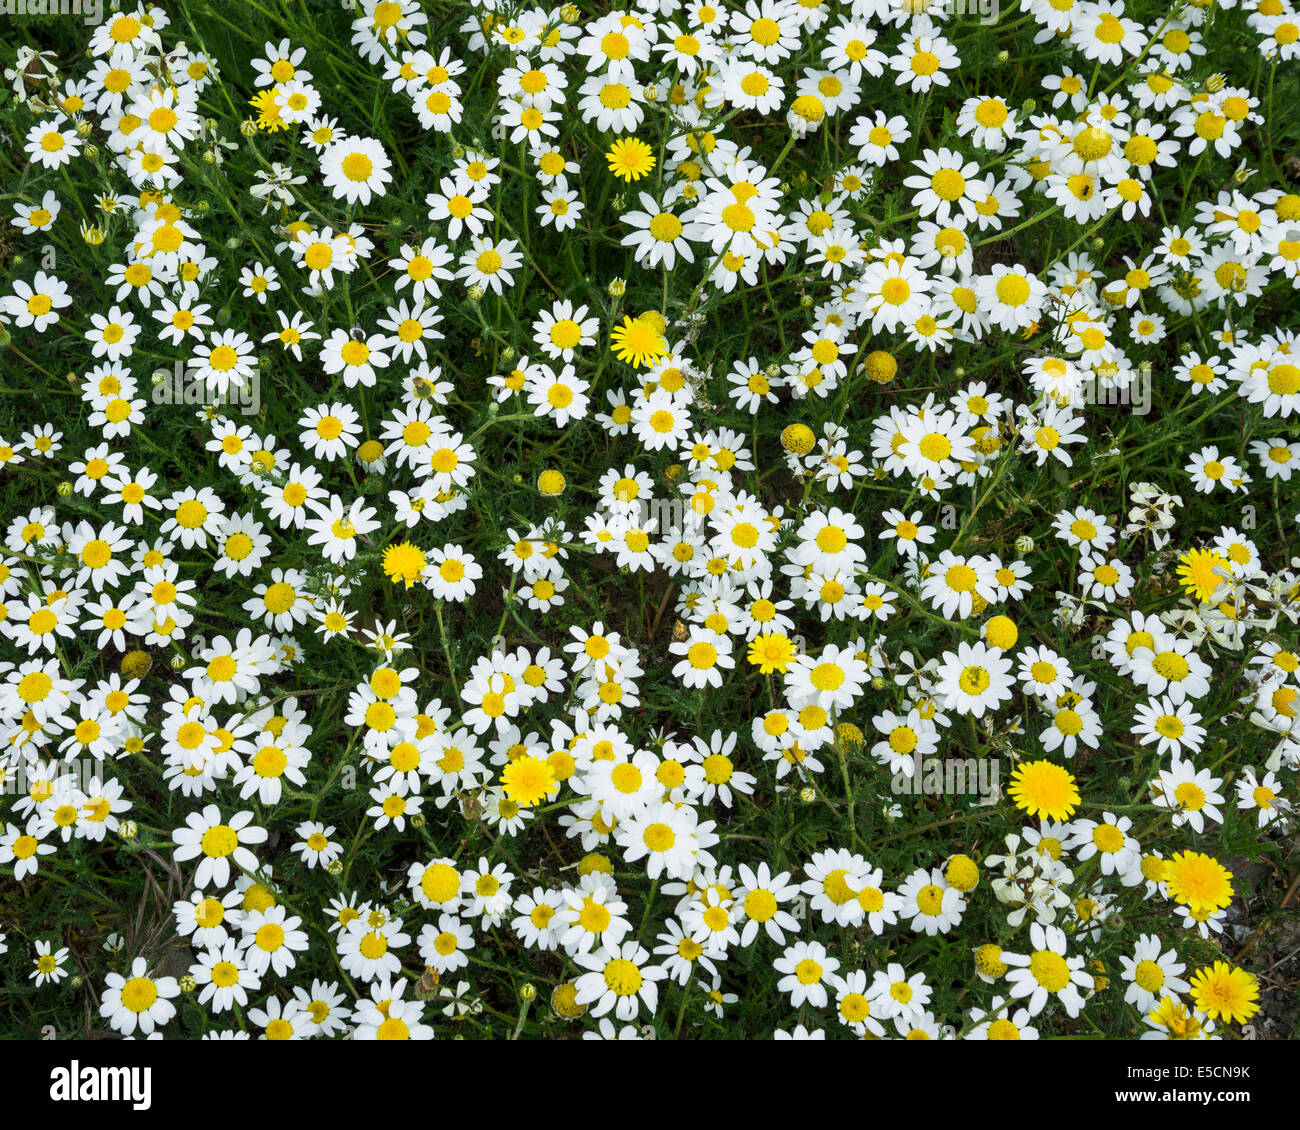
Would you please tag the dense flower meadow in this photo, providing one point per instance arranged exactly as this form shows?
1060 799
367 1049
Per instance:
718 519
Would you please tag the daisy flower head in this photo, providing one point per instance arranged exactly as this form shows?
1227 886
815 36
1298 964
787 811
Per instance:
1191 794
355 169
806 970
489 265
208 835
1261 795
974 679
1151 974
140 1001
922 61
832 680
51 147
1048 972
31 218
930 903
618 979
671 840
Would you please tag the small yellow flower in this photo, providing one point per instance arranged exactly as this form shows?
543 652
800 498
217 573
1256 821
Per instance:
988 960
1172 1015
1041 788
880 366
849 737
403 562
1202 572
1198 881
528 780
564 999
637 342
1001 632
265 102
630 158
1220 990
771 651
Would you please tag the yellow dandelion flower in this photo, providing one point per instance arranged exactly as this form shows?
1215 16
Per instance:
1043 789
268 111
1198 881
630 158
1202 572
771 652
528 780
637 343
1172 1015
403 562
1219 990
